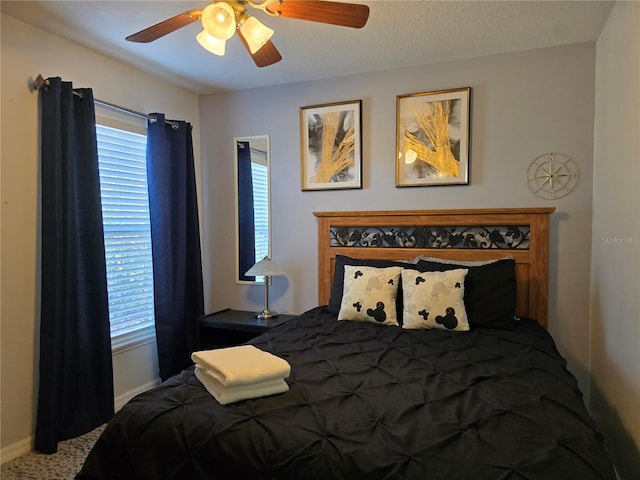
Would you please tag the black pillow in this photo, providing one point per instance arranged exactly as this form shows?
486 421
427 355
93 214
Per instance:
335 299
489 291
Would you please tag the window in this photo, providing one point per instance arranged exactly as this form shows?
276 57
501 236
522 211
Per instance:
127 232
260 179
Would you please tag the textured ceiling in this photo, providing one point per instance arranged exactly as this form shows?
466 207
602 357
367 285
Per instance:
399 33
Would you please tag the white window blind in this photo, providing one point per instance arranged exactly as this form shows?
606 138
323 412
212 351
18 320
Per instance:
127 232
260 180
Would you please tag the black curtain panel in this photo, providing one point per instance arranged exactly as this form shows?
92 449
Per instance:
175 239
246 221
76 374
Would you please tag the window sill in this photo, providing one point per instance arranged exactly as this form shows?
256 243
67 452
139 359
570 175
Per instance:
131 340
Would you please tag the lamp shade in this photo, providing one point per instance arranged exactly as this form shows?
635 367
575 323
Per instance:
266 268
255 33
219 20
212 44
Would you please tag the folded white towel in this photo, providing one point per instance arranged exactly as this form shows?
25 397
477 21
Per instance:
225 395
241 365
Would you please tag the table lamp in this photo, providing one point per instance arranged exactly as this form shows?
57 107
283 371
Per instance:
266 268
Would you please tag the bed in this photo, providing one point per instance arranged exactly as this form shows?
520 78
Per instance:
485 397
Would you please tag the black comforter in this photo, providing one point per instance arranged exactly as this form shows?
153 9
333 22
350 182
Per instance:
370 401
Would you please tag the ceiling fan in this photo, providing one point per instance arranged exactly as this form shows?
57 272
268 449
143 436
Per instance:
222 18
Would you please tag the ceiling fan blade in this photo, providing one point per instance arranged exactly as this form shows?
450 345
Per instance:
335 13
267 55
167 26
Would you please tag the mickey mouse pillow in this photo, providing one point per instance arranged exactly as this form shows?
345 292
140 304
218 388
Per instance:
434 299
369 294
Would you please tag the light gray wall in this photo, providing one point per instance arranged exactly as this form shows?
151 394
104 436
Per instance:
523 105
26 52
615 262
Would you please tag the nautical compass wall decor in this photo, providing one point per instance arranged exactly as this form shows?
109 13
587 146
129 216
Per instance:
552 175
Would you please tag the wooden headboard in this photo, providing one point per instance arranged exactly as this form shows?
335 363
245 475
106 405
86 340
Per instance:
471 234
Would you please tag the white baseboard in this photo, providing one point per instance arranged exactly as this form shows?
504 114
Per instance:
16 450
23 446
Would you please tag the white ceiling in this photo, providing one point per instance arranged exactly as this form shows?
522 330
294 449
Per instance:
399 33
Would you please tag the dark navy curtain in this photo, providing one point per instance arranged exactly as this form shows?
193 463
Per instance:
246 221
175 239
76 374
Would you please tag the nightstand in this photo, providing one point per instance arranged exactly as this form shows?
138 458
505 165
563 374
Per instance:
233 327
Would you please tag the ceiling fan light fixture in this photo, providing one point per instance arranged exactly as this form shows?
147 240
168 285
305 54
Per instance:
255 33
219 20
211 43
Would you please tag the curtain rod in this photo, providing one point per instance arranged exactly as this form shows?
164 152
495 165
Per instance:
40 82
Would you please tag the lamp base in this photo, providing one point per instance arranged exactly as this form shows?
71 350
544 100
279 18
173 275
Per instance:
266 315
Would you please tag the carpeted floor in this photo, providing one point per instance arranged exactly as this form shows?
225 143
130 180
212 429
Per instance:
62 465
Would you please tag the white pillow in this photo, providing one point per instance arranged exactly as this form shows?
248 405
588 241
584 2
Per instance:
369 294
434 299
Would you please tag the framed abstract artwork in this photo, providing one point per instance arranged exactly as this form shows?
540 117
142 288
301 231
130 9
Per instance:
432 138
331 146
